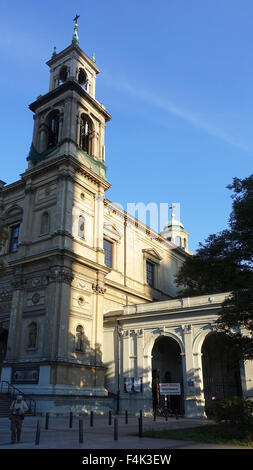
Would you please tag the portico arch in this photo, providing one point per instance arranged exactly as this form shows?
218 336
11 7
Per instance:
166 363
220 368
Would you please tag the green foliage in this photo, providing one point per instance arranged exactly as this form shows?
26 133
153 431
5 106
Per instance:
234 410
224 263
222 433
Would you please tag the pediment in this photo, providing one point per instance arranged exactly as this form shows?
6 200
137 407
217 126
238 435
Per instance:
152 253
112 231
15 211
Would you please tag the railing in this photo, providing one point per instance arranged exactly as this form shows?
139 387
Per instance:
9 389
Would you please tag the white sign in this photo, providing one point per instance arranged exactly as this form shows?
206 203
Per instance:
170 389
129 384
137 384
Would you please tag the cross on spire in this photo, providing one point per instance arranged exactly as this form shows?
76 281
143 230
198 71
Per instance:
76 18
172 207
75 39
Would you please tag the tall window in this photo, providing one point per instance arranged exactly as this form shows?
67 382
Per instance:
108 253
14 238
86 133
44 228
53 129
79 338
32 335
150 271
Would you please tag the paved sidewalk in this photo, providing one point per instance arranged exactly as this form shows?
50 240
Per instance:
101 435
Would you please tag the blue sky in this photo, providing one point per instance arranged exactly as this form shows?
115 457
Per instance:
177 78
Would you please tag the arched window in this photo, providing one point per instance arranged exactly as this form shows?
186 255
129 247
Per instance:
63 75
86 134
82 77
44 226
81 227
32 335
79 343
53 129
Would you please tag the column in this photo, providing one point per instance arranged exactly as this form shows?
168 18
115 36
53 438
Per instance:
190 399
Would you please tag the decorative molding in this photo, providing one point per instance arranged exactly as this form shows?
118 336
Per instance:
98 289
19 283
35 298
187 328
60 275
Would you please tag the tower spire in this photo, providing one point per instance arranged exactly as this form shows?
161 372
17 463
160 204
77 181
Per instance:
75 38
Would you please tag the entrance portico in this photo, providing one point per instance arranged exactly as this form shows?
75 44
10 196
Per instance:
166 336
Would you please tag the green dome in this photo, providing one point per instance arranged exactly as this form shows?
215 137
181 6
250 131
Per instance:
175 223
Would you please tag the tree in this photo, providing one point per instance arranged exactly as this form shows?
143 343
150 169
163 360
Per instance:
224 263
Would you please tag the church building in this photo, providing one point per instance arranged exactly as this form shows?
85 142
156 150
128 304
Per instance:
89 317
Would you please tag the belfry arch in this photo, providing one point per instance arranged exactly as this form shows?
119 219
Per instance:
221 370
167 368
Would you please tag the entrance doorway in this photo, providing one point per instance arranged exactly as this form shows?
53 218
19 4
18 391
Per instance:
3 346
167 368
221 370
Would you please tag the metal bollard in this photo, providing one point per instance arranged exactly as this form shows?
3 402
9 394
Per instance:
110 417
71 419
37 438
91 418
47 420
166 414
116 429
154 415
126 417
80 431
140 427
141 414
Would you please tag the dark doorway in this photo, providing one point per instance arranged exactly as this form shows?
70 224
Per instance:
221 370
3 346
167 368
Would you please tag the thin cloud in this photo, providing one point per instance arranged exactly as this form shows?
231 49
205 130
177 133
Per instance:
166 105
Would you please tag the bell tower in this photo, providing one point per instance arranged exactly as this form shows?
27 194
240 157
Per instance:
68 119
59 266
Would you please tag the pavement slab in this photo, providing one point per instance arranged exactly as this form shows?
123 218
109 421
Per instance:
101 435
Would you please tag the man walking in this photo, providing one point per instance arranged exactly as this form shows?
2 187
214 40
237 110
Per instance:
18 409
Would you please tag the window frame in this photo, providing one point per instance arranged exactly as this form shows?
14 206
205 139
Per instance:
11 240
112 252
150 263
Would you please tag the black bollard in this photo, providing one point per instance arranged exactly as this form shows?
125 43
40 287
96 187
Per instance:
141 414
166 414
47 420
110 417
80 431
140 427
116 429
126 417
71 419
154 415
91 418
37 438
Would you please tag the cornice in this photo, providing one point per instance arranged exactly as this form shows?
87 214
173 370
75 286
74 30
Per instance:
67 160
70 85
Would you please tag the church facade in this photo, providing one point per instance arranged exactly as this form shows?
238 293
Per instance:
76 265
